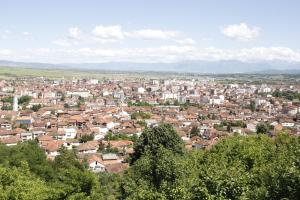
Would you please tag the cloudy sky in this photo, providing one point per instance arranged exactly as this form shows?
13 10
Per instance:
75 31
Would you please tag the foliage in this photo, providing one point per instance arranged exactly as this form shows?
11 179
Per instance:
110 136
238 167
142 123
138 104
238 123
253 167
62 98
19 183
86 138
66 177
36 108
8 99
195 131
141 115
109 149
263 128
24 100
165 175
6 107
151 139
23 126
289 95
250 168
252 106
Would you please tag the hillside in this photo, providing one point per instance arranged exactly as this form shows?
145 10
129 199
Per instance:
252 167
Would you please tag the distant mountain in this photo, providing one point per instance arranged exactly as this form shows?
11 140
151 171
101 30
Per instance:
274 71
37 65
214 67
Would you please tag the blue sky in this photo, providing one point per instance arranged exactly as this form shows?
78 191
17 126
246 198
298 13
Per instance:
60 31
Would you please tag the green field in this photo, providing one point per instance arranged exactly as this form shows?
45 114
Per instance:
17 72
59 73
21 72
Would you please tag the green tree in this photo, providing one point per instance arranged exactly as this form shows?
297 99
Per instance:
195 131
36 108
9 99
151 139
19 183
252 106
62 97
254 167
86 138
24 100
165 175
262 128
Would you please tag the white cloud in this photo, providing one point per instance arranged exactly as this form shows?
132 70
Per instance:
186 41
25 33
169 53
153 34
28 36
7 31
62 42
5 35
74 36
75 33
241 32
5 52
108 33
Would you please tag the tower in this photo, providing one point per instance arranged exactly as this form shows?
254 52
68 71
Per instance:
15 104
122 100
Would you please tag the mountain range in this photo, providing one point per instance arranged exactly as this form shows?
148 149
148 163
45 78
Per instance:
210 67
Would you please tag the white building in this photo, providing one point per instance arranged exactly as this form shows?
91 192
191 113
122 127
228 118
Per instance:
83 94
93 81
141 90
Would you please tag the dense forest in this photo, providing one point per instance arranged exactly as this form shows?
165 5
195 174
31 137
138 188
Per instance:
251 167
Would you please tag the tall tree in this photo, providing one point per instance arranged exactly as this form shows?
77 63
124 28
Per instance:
151 139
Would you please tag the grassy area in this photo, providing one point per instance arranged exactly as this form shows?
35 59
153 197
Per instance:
19 72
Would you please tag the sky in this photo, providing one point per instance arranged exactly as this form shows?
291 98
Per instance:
91 31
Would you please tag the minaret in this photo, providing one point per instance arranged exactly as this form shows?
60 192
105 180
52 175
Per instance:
122 100
15 104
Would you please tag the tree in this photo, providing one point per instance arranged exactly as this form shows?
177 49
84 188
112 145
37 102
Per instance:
36 108
252 106
86 138
23 126
24 170
16 183
254 167
6 107
24 100
151 139
9 99
142 115
194 131
62 97
165 175
67 159
229 128
262 128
